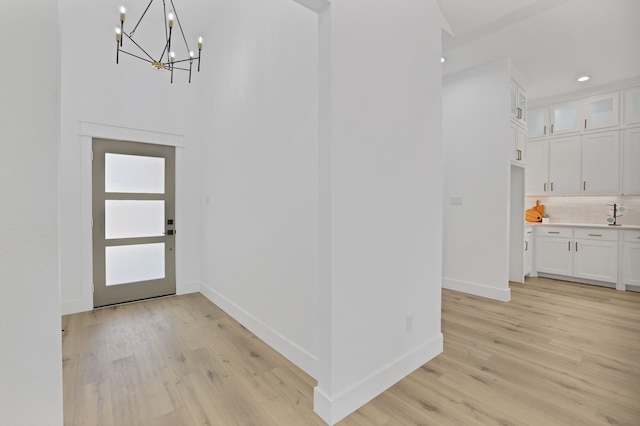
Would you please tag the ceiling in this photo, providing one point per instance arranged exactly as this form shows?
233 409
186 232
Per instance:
550 42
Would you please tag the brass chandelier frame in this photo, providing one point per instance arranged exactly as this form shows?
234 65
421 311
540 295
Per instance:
167 59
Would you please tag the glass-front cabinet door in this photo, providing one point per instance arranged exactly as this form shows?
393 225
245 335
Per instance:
565 118
602 111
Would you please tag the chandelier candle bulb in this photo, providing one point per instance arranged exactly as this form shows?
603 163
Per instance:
122 16
199 51
118 42
170 20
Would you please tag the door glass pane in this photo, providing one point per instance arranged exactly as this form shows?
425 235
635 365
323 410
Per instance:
133 218
600 112
565 118
134 174
140 262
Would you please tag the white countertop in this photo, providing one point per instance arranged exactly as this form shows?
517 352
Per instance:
584 225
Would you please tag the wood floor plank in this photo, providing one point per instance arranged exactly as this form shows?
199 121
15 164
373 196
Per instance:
558 354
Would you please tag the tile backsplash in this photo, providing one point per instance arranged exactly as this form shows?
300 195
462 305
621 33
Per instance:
592 209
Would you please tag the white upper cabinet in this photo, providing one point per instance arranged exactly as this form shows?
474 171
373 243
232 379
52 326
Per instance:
631 162
518 104
537 122
518 144
537 171
632 105
565 118
601 163
564 166
602 111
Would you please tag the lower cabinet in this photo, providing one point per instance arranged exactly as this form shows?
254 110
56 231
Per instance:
587 253
528 251
631 258
553 250
595 255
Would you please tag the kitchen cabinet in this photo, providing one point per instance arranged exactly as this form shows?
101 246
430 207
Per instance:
528 251
587 164
564 166
601 163
632 106
555 120
631 258
565 118
537 122
553 250
631 162
602 111
537 171
518 104
596 254
518 144
592 113
586 253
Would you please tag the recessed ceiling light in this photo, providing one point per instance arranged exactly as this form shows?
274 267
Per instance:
584 78
442 59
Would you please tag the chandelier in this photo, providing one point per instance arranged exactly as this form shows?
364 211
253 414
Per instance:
167 59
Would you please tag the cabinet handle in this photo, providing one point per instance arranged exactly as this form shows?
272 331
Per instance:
519 151
551 186
576 246
584 185
569 245
552 129
545 130
519 113
585 123
545 187
597 235
526 245
557 232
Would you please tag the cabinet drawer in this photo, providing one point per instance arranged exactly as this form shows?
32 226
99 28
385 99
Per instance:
631 236
597 234
554 231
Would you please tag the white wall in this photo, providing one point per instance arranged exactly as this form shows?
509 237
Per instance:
31 355
381 197
259 171
475 137
129 101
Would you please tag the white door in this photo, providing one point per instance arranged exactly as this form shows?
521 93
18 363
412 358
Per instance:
601 163
564 166
133 221
631 263
554 255
596 260
631 160
537 169
602 111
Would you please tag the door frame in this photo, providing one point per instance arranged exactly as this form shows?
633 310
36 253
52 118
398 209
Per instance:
103 293
84 253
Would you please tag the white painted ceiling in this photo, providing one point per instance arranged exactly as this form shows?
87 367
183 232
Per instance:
551 42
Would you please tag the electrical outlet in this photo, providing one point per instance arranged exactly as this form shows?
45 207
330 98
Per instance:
409 323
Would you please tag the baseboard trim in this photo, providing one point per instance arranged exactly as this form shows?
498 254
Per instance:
332 409
294 353
501 294
189 287
68 307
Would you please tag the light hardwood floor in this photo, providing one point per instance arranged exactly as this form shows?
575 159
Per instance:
557 354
